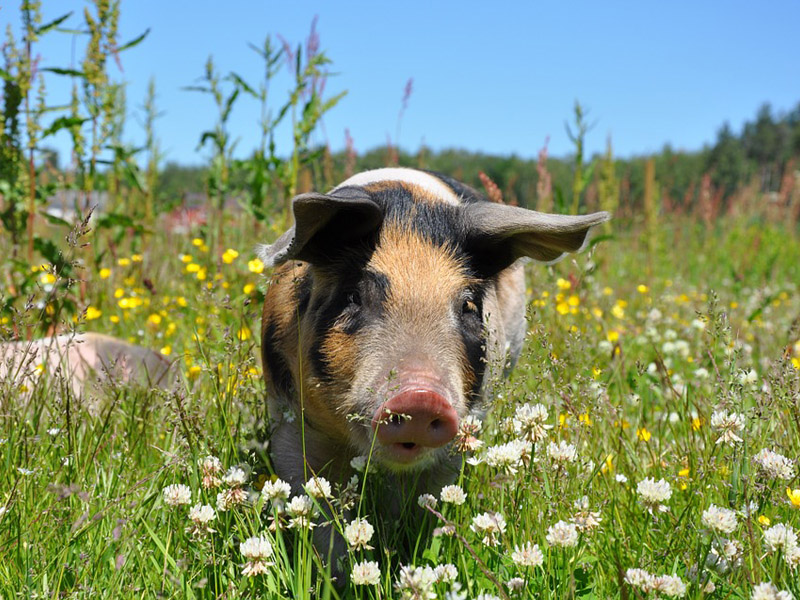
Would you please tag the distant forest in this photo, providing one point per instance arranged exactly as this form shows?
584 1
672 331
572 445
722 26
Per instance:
762 157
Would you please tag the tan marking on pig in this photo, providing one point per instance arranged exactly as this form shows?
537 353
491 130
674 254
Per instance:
420 193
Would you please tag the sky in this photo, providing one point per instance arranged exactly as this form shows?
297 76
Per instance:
497 77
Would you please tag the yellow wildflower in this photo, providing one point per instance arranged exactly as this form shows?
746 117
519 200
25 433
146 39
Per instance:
193 372
186 258
92 313
229 256
105 273
794 496
764 520
607 291
585 419
166 350
608 464
697 423
642 288
248 288
114 319
643 434
612 336
244 333
255 266
796 362
574 300
562 308
119 293
124 262
201 274
192 268
618 311
197 242
136 258
47 278
684 472
563 284
154 319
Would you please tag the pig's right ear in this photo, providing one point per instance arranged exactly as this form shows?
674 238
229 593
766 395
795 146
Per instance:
323 225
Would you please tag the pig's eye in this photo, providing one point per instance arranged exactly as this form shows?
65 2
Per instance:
469 308
354 300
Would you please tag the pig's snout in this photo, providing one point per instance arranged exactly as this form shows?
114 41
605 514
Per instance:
412 420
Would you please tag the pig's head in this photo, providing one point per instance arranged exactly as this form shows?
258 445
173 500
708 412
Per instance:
395 311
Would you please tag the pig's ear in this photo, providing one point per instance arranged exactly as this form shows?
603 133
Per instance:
323 225
500 234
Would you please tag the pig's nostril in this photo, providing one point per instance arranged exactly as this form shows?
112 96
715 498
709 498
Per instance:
435 424
409 445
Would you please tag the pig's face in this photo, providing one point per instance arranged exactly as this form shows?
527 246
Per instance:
397 324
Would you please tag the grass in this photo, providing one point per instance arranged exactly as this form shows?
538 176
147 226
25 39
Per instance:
631 354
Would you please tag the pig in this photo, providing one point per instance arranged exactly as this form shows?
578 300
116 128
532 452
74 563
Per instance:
81 360
396 299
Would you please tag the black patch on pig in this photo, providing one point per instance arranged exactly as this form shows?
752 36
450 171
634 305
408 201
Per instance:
473 336
468 195
350 306
279 373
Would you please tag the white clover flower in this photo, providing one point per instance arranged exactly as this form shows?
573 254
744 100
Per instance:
276 490
791 556
774 465
453 494
562 534
749 377
527 555
177 494
427 501
530 422
202 514
446 573
489 524
486 596
210 468
701 373
358 533
669 585
639 578
466 440
229 498
507 457
729 425
515 585
767 591
3 511
359 463
652 493
235 477
620 478
416 583
256 550
210 465
719 519
318 488
562 452
585 520
302 511
366 572
780 537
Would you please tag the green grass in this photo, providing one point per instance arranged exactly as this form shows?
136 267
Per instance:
630 354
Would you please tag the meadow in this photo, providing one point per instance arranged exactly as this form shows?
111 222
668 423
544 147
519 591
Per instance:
645 445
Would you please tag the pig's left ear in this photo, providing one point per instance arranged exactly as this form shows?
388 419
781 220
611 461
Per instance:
323 225
500 234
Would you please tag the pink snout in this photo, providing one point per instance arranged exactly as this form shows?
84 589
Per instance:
413 420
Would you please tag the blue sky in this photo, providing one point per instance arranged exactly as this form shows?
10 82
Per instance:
498 77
